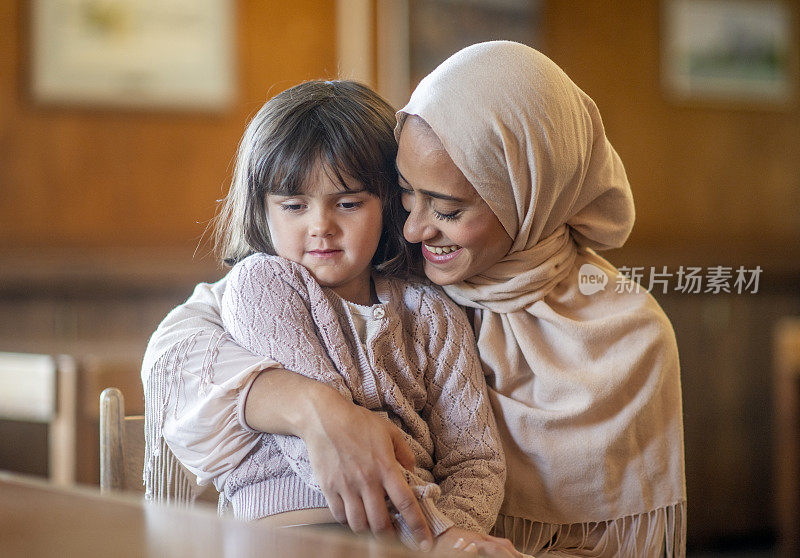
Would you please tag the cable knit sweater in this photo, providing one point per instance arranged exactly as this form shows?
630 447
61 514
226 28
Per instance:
418 367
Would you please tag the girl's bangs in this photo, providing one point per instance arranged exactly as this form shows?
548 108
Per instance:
285 170
349 156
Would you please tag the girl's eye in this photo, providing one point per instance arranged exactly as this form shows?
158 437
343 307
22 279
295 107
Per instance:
291 207
351 204
452 216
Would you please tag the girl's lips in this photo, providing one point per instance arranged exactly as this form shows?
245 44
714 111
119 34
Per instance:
438 258
325 254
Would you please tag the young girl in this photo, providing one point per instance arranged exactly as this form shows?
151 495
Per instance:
314 220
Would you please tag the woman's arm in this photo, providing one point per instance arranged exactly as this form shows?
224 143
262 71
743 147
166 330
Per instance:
194 379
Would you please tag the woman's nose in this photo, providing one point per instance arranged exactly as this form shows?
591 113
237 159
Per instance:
417 227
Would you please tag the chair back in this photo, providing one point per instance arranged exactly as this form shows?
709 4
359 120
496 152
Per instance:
44 389
121 445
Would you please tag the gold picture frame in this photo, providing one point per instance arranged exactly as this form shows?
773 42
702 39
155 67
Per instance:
142 54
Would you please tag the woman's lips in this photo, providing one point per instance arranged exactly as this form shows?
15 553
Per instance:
433 257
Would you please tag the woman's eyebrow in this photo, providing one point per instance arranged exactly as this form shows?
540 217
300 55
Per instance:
440 196
429 193
400 174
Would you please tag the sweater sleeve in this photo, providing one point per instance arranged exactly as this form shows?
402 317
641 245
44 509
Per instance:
195 380
469 463
266 308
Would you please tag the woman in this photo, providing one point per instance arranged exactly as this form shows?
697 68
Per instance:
510 184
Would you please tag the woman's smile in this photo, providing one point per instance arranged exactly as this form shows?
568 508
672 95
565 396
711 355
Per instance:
440 254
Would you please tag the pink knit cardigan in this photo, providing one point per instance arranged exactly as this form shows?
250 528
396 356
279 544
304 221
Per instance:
419 368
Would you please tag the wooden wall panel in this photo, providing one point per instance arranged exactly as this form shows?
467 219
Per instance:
81 178
707 175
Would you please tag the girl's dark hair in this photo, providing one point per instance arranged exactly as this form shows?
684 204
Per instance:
344 125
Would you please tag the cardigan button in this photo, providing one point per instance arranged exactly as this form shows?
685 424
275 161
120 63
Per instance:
378 313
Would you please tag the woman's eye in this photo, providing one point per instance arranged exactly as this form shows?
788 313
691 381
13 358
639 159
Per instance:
452 216
407 199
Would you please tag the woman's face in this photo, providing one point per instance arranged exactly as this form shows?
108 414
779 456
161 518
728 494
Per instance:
461 237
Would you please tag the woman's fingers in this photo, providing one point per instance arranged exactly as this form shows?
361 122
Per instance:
358 458
406 503
336 505
400 492
377 514
356 515
402 451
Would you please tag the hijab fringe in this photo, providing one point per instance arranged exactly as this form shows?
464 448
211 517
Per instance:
165 479
659 532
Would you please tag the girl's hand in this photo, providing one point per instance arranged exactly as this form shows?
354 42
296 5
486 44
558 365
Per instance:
456 538
358 458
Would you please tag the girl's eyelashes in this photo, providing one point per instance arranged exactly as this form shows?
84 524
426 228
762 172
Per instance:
291 207
294 207
350 204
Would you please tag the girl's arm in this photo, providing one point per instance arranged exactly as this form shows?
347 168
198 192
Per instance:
469 463
274 308
208 398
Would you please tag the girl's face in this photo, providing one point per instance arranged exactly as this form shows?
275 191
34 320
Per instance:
331 232
460 235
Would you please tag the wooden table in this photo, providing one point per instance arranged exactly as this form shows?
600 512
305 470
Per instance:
41 520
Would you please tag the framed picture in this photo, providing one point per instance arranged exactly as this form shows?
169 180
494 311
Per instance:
729 50
166 54
414 36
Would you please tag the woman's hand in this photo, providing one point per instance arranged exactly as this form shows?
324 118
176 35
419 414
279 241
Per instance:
456 538
358 458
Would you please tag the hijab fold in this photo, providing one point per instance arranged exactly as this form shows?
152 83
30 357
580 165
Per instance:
585 387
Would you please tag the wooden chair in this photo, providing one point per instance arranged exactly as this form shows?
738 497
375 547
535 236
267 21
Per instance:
43 389
122 458
787 435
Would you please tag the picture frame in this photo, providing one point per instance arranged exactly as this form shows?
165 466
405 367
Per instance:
140 54
729 51
414 36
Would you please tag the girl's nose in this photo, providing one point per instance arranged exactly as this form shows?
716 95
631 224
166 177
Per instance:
418 227
322 225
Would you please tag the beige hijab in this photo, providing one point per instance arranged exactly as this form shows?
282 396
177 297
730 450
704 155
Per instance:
585 387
